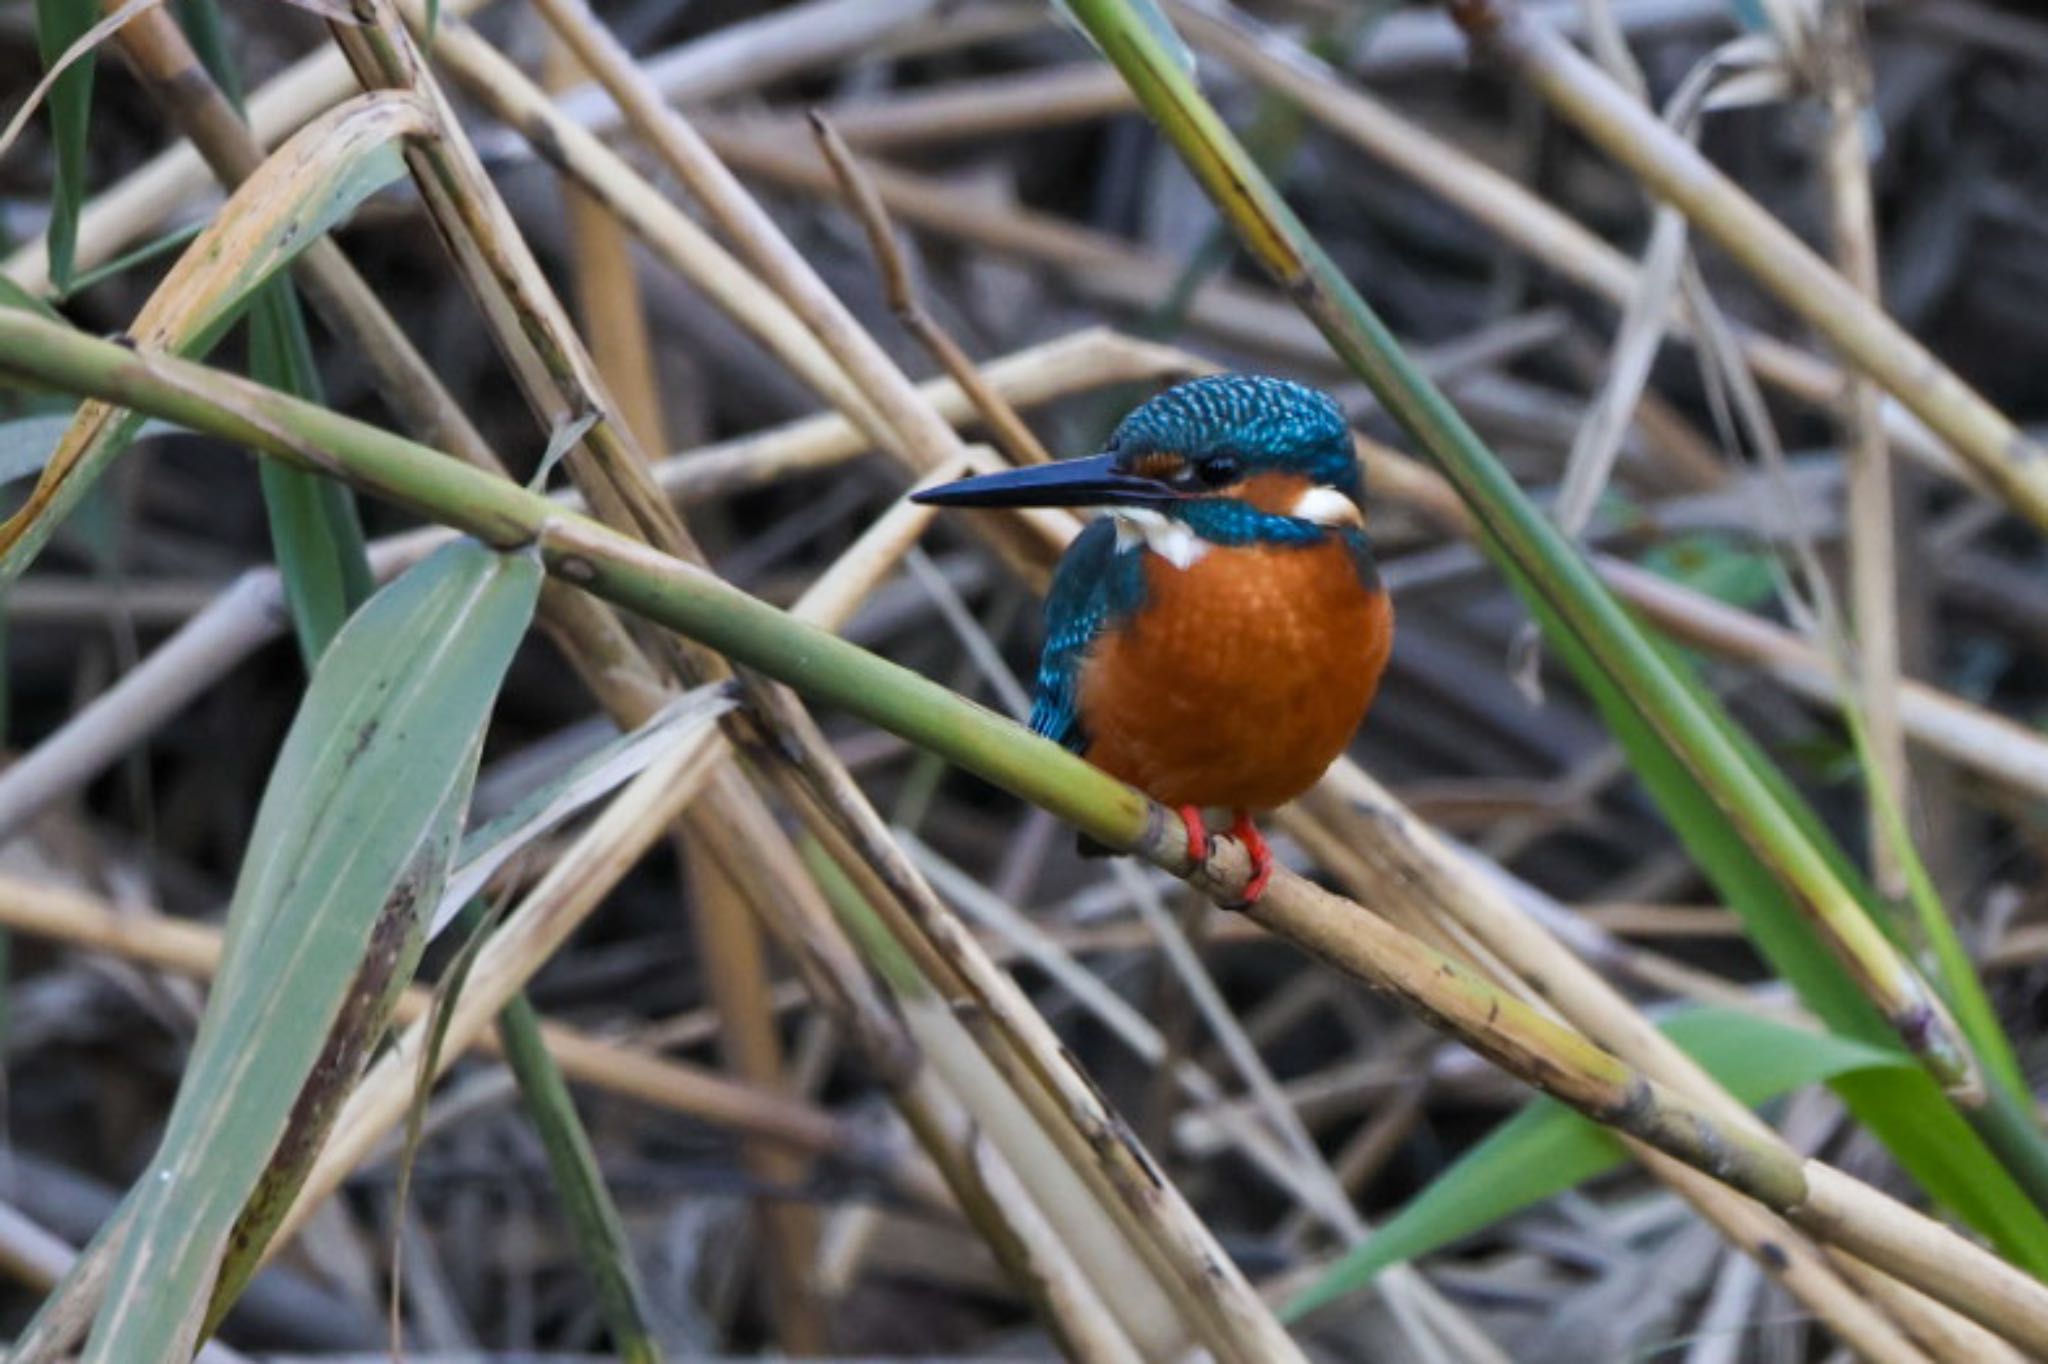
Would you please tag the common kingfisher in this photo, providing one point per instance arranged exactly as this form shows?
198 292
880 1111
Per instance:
1217 638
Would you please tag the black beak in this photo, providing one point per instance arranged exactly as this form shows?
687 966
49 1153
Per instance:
1091 482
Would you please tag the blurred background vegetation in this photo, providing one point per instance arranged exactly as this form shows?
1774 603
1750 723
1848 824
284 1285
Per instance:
737 1164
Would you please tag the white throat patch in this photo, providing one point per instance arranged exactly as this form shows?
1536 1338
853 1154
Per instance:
1173 541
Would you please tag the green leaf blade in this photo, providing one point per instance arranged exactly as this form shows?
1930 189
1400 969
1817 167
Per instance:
360 817
59 24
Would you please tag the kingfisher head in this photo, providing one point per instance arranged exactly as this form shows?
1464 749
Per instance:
1234 459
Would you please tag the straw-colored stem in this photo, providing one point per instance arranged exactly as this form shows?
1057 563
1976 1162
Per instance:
689 600
1843 72
609 304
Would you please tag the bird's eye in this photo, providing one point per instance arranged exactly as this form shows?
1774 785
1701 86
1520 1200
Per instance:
1217 470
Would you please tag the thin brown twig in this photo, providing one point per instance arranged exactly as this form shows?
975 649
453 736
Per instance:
1011 434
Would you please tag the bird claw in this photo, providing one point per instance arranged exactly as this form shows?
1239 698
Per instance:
1247 833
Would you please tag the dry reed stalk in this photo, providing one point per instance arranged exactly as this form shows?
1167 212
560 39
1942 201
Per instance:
735 968
191 949
1838 65
908 423
1011 434
989 106
556 373
1080 1151
1510 211
607 292
672 235
1963 733
735 58
2004 457
1079 362
835 594
727 934
1101 266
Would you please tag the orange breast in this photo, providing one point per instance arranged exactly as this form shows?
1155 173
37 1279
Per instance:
1241 680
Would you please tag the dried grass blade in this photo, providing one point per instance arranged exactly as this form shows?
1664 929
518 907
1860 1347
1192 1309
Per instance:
312 183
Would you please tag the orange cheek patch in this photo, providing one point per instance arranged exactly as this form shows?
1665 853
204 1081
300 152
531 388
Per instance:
1276 493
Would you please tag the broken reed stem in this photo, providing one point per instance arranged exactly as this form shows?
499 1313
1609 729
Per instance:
630 574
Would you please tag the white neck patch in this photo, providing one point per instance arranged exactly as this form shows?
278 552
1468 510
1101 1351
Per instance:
1173 541
1326 506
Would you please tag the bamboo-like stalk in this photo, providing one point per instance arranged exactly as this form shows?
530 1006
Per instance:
2006 458
630 574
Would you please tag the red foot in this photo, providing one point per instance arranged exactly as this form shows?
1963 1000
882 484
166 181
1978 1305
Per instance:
1198 833
1247 833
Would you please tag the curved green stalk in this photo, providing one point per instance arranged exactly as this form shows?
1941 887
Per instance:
1515 533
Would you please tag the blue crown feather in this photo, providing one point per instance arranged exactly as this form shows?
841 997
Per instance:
1270 424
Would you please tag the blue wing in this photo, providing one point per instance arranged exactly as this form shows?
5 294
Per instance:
1093 587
